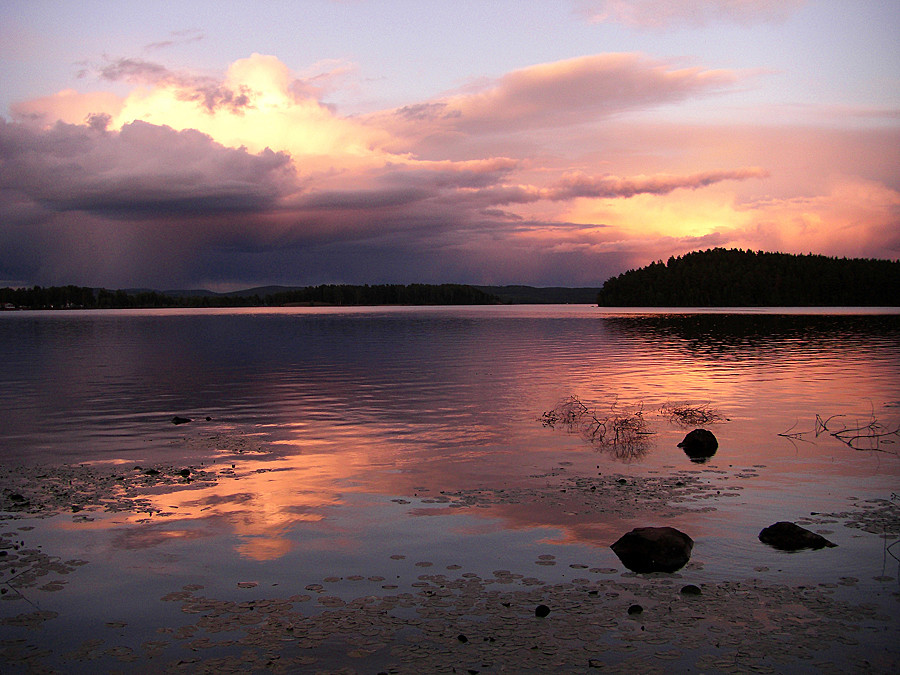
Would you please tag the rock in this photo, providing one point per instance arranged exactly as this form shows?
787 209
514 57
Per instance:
635 609
654 549
787 536
181 420
699 445
462 638
690 589
541 611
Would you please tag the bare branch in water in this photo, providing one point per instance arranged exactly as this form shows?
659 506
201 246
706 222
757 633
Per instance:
690 415
623 434
871 435
794 435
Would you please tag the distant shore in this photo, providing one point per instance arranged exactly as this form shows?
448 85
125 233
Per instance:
83 297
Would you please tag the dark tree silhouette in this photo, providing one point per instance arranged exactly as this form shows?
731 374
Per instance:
734 278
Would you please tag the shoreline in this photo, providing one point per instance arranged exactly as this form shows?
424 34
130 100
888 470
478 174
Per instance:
432 617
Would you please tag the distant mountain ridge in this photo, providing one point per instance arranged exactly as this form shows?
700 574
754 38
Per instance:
512 294
80 297
735 278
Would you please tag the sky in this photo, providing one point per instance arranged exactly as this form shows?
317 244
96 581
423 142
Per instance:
227 145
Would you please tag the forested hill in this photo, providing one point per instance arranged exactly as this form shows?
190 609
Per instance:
733 278
67 297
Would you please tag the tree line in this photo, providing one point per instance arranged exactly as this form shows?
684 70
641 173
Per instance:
82 297
736 278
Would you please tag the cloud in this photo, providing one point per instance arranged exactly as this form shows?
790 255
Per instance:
137 71
540 176
142 170
579 185
659 14
177 38
574 91
205 90
854 218
259 103
67 106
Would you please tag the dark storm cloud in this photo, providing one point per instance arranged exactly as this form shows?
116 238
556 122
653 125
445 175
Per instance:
353 200
84 204
141 171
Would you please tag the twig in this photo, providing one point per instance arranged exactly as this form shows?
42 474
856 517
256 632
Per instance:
687 414
622 434
871 436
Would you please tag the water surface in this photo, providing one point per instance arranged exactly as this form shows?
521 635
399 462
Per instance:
344 436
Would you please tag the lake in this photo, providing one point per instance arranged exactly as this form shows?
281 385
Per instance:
395 489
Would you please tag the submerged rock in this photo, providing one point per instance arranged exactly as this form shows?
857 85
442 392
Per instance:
787 536
699 445
654 549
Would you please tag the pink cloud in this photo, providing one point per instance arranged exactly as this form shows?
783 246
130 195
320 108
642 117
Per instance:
575 91
579 185
67 106
854 218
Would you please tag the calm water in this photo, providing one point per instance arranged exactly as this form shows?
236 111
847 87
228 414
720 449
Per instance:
344 425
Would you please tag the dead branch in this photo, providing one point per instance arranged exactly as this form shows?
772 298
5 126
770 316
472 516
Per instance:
794 435
690 415
623 434
869 436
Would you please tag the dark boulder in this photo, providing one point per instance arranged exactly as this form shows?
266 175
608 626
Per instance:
791 537
181 420
699 445
654 549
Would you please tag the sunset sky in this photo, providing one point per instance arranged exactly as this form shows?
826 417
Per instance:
226 145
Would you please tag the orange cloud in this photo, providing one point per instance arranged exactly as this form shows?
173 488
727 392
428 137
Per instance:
258 105
855 218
